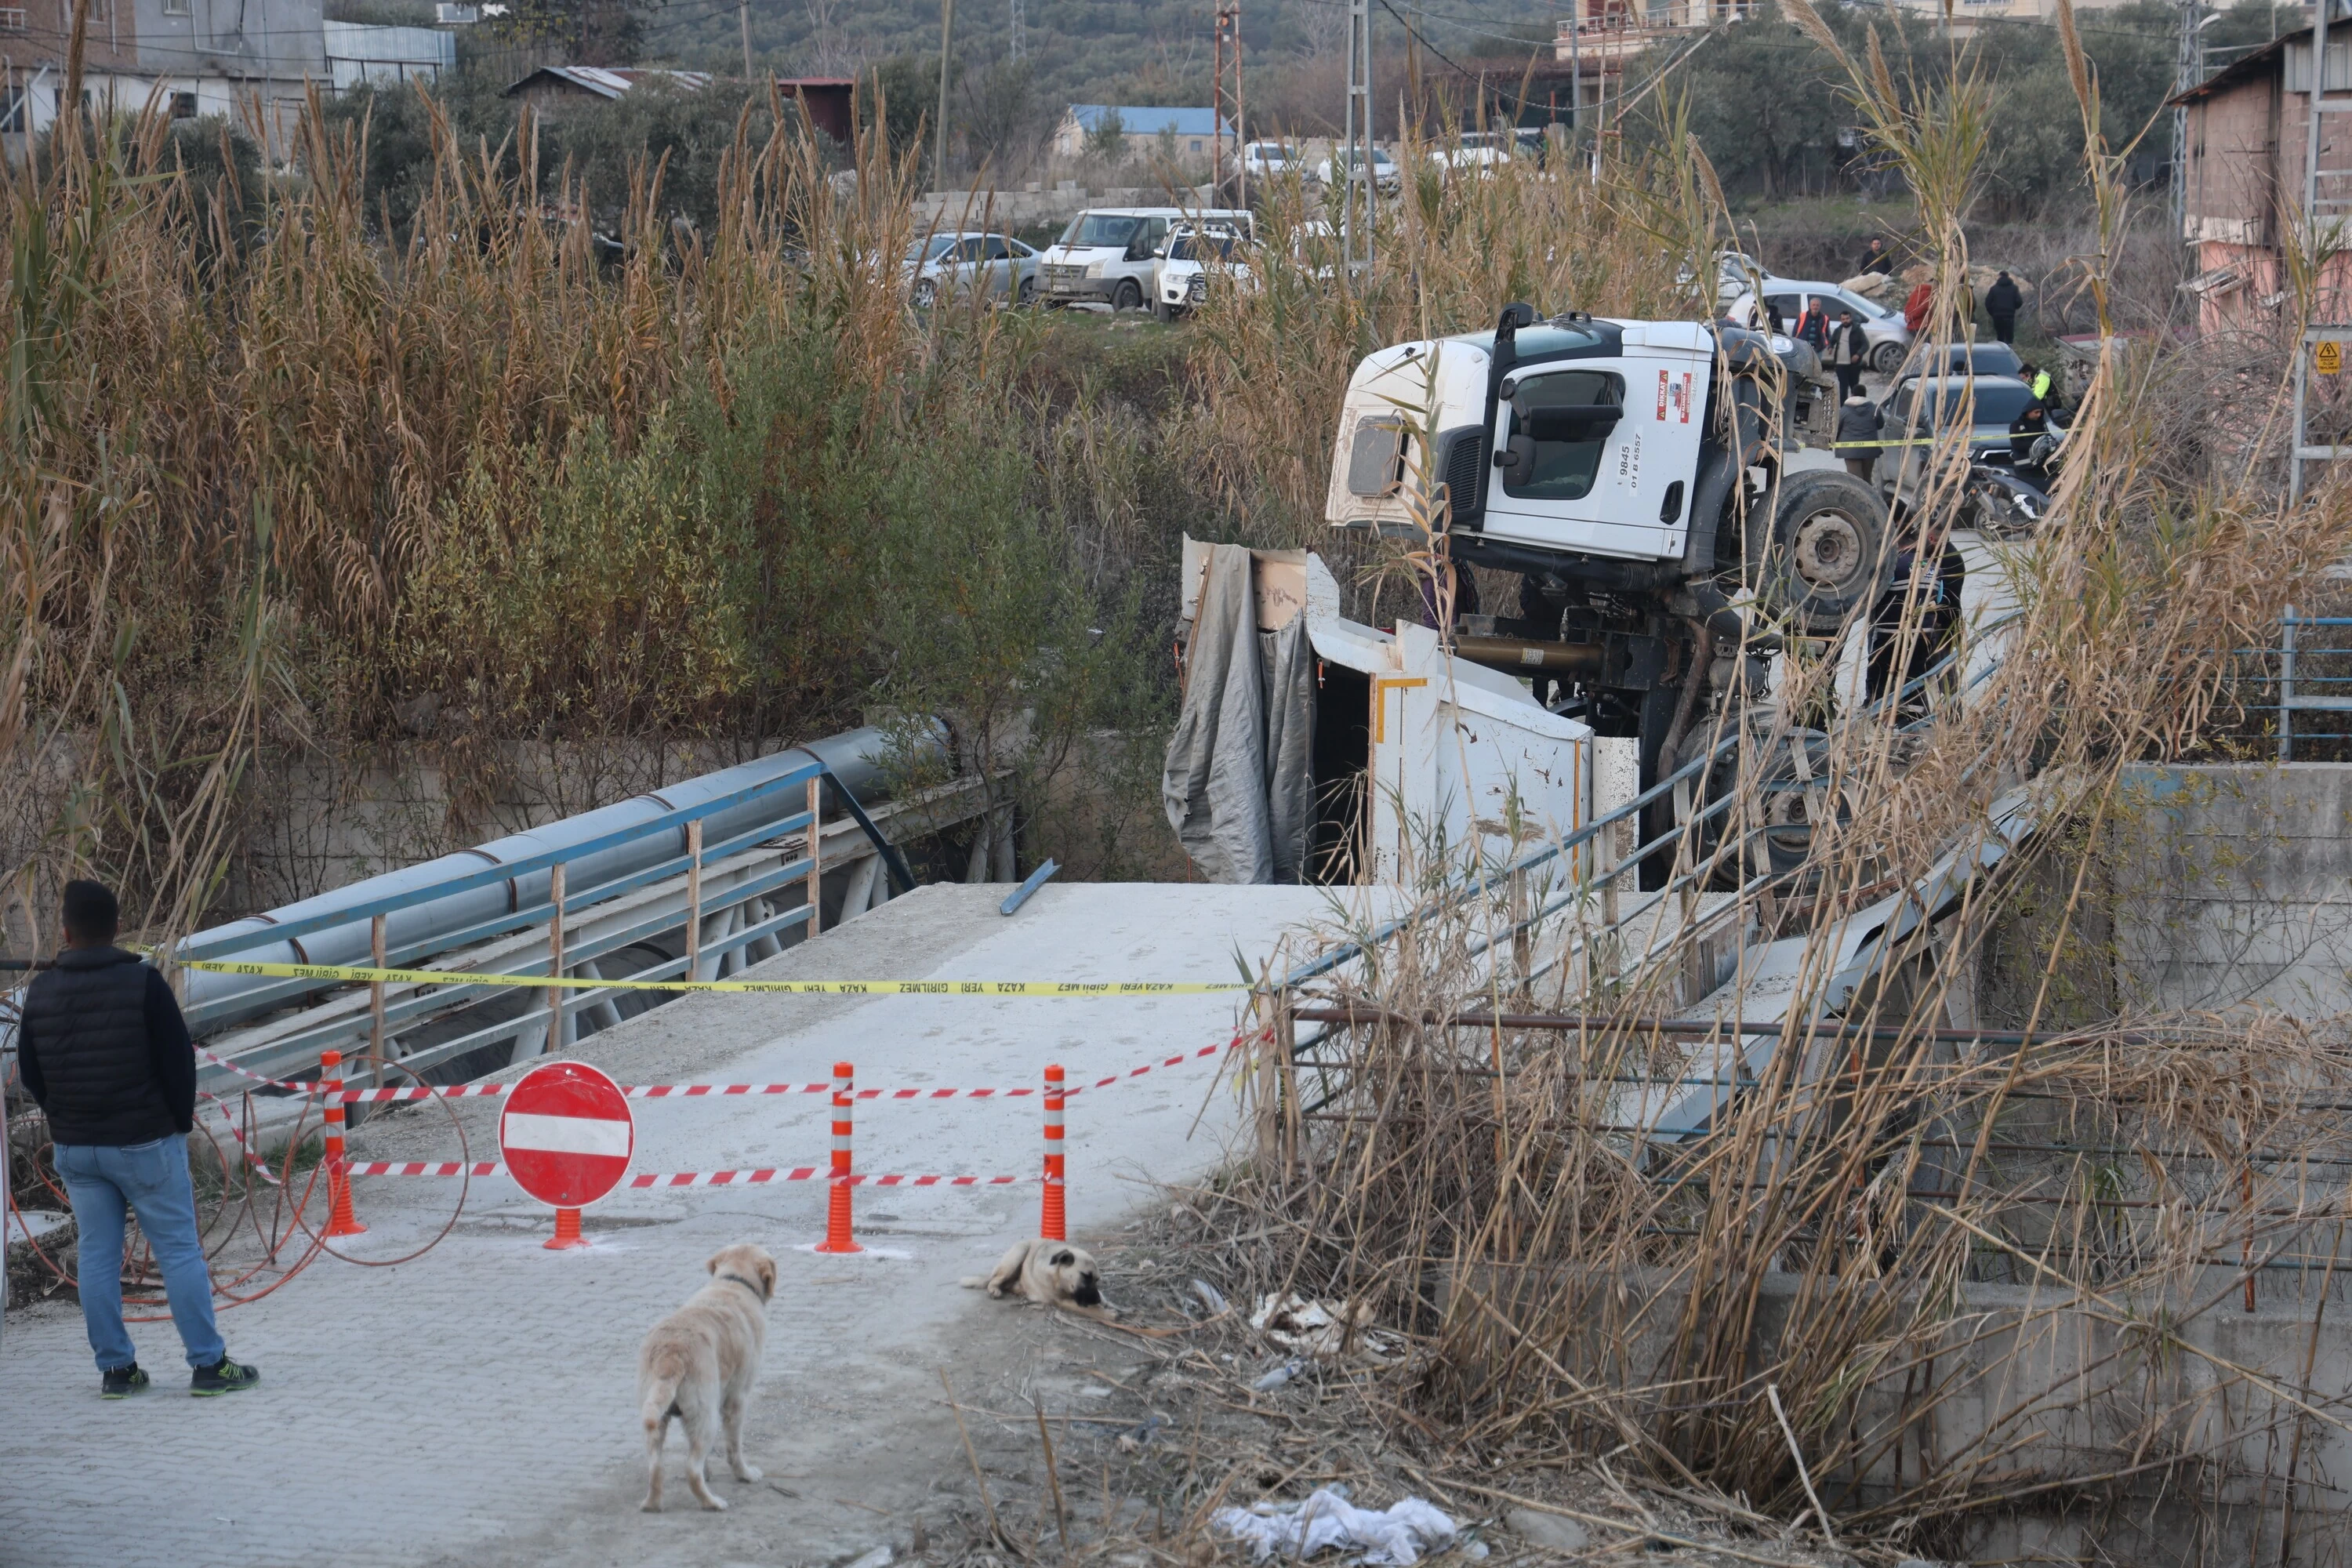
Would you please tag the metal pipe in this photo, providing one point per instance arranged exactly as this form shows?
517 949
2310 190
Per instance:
1525 653
855 759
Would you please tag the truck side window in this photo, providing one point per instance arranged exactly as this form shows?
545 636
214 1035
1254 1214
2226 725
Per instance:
1560 424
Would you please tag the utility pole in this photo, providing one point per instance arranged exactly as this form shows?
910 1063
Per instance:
2188 71
1015 44
1575 76
1229 29
743 16
2323 338
1358 148
947 41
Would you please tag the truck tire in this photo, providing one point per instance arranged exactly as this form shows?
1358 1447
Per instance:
1159 310
1825 555
1130 296
1788 801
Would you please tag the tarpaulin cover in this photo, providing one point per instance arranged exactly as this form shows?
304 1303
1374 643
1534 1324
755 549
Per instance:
1239 785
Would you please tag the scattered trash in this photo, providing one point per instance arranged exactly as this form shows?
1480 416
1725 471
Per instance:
880 1557
1277 1377
1211 1297
1135 1439
1549 1530
1399 1533
1320 1329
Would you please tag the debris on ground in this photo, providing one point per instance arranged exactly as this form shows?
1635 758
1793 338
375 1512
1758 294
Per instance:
1397 1533
1322 1328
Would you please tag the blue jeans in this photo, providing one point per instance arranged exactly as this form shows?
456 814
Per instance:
151 1180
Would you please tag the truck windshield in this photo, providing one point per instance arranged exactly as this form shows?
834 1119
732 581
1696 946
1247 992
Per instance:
1200 247
1559 470
1100 231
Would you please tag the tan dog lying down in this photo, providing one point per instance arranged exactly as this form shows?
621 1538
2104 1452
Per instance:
699 1363
1050 1273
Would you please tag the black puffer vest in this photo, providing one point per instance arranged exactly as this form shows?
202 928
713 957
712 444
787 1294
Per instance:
88 1020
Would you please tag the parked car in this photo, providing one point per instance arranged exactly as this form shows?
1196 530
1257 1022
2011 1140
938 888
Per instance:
1187 263
1386 176
1983 359
1890 340
1262 159
1478 149
1922 408
1111 254
997 265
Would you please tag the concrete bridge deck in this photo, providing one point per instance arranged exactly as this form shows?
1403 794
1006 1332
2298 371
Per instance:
477 1405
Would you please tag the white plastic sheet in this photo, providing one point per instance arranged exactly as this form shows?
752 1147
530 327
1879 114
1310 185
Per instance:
1397 1533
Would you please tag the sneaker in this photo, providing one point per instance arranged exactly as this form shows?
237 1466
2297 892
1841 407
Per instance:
224 1376
123 1382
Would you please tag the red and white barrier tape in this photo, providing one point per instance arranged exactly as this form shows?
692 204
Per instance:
701 1091
683 1178
220 1061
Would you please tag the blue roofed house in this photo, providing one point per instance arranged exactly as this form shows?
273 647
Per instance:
1194 129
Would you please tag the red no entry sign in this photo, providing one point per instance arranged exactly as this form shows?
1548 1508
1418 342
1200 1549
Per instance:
567 1134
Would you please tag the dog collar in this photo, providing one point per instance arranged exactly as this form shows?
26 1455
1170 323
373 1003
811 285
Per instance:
746 1284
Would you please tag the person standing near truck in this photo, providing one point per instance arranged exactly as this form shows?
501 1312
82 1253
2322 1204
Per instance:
106 1053
2001 303
1849 351
1916 306
1857 435
1813 325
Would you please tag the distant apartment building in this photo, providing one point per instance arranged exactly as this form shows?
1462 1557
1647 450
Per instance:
1600 34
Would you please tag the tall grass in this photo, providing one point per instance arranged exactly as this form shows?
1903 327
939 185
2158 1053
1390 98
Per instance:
512 493
1807 1297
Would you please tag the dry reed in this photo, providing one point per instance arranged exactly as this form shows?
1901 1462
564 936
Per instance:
1896 1280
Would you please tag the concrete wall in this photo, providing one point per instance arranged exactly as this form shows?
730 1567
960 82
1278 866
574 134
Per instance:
2143 1431
2233 884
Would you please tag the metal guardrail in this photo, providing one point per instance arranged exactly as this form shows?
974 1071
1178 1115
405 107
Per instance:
726 881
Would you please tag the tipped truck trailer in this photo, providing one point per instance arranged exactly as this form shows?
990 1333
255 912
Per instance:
1630 474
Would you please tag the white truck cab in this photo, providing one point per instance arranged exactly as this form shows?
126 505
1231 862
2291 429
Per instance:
1589 447
1110 255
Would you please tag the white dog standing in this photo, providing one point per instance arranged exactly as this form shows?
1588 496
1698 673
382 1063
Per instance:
699 1364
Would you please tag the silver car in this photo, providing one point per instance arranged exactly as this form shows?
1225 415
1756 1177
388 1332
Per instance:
995 265
1890 340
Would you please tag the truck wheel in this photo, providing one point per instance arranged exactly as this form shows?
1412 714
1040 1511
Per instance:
1786 803
1160 309
1825 555
1130 296
1887 357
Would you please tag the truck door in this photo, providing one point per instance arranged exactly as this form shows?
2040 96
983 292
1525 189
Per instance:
1598 456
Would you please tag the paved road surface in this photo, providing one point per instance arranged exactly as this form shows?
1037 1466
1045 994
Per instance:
477 1405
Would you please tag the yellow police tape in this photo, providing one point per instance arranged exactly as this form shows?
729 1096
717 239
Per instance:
361 974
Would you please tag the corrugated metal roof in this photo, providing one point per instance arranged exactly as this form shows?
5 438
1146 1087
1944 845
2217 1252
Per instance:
1150 119
2253 66
612 81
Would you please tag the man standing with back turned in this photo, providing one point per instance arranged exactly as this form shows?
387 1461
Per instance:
104 1050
